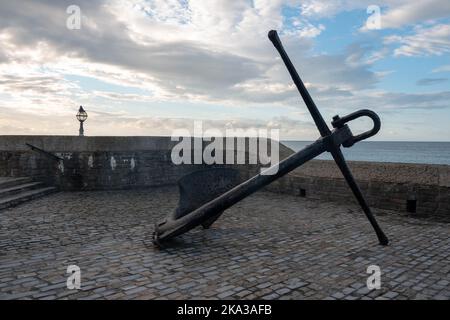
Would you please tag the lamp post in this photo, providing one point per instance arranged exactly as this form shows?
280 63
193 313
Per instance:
81 116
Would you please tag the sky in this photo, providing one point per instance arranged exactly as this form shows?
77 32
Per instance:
149 67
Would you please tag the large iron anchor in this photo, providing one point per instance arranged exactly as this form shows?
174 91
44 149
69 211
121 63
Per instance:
207 209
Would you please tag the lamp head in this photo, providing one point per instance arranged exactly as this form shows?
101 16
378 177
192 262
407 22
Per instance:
81 115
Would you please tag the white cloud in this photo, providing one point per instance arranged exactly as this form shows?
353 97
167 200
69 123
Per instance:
411 12
433 40
317 8
305 29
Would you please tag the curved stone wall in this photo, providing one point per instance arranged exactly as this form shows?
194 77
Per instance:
135 162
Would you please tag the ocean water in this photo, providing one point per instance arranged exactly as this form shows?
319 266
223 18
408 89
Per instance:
389 151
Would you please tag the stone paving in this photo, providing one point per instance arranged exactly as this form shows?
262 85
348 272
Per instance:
270 246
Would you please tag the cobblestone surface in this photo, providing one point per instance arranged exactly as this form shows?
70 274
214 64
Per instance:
269 246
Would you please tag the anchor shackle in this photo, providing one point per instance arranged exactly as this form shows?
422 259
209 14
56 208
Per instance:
339 122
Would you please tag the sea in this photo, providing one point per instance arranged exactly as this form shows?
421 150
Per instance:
389 151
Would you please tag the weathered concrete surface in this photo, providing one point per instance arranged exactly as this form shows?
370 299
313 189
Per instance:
269 246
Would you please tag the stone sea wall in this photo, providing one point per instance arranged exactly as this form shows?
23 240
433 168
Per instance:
95 163
92 163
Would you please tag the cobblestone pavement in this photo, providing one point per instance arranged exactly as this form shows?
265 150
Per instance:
270 246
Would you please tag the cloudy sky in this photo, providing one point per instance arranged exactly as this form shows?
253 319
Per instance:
149 67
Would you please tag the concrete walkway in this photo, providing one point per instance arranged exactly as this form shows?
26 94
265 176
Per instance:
269 246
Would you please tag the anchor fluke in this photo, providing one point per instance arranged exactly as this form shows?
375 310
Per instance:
197 189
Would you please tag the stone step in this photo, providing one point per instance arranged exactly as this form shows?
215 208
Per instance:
20 188
25 196
9 182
